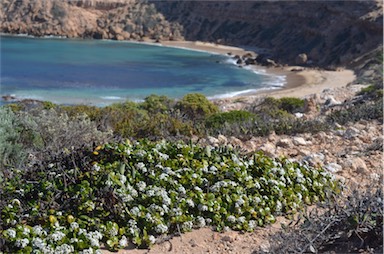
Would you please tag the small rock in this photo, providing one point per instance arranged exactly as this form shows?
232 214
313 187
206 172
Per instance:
374 177
235 141
268 149
213 141
272 137
358 165
299 141
193 243
228 238
333 167
251 145
304 152
351 133
222 139
340 132
315 159
330 101
285 142
264 247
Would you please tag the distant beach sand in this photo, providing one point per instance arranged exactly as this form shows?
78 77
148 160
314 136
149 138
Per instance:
301 82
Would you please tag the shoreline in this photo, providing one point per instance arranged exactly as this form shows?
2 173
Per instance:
299 82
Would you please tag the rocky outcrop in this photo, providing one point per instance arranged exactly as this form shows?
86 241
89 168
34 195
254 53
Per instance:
117 19
353 152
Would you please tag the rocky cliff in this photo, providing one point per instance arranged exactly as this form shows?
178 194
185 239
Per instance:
325 33
108 19
328 32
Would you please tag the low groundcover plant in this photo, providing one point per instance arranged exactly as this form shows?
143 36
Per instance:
139 191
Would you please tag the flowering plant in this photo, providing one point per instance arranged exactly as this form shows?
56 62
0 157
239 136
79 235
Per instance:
138 191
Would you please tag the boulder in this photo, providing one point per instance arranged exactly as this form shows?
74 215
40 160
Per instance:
315 159
270 63
268 149
285 142
235 141
333 167
299 141
272 136
222 139
239 61
301 59
330 101
351 132
250 145
310 105
247 55
357 165
213 141
249 61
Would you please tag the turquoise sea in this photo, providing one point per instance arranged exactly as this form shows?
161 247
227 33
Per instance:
102 72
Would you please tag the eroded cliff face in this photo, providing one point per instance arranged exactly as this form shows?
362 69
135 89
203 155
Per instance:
108 19
329 33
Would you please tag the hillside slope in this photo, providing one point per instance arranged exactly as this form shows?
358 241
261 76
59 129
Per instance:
330 33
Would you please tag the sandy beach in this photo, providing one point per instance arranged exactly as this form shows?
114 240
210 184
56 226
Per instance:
300 82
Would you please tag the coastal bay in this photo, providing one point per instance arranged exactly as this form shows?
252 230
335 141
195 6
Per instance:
279 81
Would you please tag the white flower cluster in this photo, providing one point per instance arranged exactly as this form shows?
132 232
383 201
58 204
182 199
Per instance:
22 243
123 242
187 226
95 237
200 222
57 236
161 229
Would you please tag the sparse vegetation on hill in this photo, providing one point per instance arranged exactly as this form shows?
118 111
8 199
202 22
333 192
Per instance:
353 224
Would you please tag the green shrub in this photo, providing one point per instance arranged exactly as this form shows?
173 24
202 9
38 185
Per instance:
271 105
157 104
196 106
372 91
11 151
236 116
51 132
48 105
126 119
291 104
139 191
366 111
94 113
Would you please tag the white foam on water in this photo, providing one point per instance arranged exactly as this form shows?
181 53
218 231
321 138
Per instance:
114 98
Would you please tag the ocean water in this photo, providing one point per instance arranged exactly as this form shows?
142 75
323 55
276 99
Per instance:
102 72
